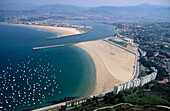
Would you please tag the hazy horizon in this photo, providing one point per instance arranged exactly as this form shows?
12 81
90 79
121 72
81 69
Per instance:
93 3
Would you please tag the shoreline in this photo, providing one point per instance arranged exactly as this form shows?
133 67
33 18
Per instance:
62 31
105 58
109 77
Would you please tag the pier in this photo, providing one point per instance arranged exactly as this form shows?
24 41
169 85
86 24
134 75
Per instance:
59 37
53 46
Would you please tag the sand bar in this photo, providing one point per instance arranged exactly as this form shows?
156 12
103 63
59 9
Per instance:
113 64
63 31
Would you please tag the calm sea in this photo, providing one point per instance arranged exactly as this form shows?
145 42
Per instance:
33 78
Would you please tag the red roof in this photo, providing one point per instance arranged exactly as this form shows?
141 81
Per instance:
164 81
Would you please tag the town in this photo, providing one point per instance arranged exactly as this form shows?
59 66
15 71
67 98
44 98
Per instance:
153 38
88 55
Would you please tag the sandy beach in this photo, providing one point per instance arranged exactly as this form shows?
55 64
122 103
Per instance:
63 31
113 65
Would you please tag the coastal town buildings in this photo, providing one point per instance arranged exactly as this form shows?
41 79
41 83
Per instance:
136 82
76 101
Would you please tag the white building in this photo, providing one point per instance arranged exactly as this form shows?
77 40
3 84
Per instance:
136 82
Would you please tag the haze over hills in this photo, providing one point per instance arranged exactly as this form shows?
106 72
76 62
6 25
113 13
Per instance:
17 6
140 10
59 9
143 10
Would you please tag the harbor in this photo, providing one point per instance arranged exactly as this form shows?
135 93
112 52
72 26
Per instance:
30 85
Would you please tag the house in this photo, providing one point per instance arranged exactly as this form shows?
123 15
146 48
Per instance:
156 54
164 81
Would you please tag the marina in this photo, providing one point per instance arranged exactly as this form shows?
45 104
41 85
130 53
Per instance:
29 85
22 70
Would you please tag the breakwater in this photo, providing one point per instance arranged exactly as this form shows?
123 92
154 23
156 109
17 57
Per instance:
53 46
59 37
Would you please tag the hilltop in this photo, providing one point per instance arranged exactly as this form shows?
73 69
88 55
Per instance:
64 11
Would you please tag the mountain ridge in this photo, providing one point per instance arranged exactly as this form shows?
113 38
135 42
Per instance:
18 5
141 10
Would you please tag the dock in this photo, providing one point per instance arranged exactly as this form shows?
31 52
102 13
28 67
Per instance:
53 46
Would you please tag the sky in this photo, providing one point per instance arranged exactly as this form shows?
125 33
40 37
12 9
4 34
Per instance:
93 3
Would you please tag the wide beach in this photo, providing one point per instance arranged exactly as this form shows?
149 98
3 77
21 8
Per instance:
113 65
63 31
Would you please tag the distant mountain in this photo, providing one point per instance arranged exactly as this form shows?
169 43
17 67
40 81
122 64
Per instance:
17 6
59 9
143 10
149 5
140 10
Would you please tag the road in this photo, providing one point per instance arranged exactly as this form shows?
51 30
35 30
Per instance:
114 106
158 106
50 107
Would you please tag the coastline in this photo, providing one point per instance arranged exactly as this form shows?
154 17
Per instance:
109 78
63 31
113 65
